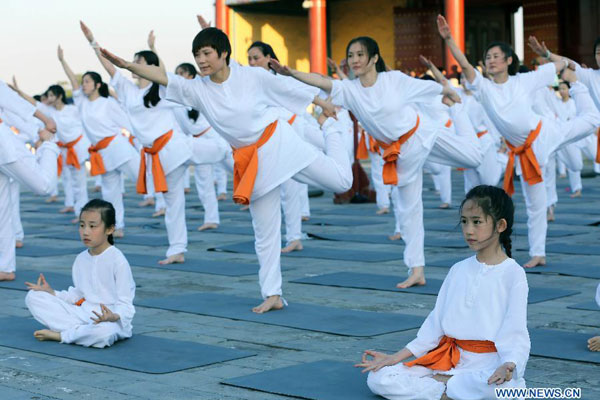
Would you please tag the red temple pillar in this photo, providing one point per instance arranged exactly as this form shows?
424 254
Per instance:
318 36
455 15
222 16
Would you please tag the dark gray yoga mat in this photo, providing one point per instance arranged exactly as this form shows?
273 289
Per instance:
384 239
562 345
320 380
203 266
148 354
300 316
231 229
130 238
342 221
9 393
30 250
55 280
432 287
312 251
518 231
566 219
587 306
568 248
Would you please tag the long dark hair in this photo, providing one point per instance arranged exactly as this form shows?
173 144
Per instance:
266 50
215 38
497 204
372 49
193 114
508 51
103 89
59 92
106 211
151 98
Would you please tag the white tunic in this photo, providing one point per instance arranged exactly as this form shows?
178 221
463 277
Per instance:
103 279
151 123
480 302
11 101
103 118
240 109
68 127
590 78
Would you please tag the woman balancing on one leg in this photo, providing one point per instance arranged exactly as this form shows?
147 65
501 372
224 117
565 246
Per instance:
385 103
508 101
71 139
18 163
243 105
164 145
110 153
475 339
98 309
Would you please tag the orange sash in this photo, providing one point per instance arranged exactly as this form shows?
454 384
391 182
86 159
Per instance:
446 355
390 155
362 152
598 147
158 174
448 123
96 160
71 154
80 302
480 134
131 137
529 166
202 133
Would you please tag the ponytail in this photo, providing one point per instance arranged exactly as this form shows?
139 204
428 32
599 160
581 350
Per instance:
103 89
506 241
151 98
193 114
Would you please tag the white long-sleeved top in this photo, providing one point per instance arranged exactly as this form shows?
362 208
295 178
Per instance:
28 129
240 108
68 127
103 279
590 78
206 149
480 302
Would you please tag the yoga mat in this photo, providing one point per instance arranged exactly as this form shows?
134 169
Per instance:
130 238
342 221
141 353
578 249
388 283
56 280
300 316
320 380
351 210
566 219
562 345
384 239
203 266
30 250
587 305
517 231
312 251
231 229
9 393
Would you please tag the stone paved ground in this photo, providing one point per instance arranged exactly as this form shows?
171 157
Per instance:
41 376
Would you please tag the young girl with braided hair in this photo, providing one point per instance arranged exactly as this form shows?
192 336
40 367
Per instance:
476 338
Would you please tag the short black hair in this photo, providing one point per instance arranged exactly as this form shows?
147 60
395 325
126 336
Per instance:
212 37
508 51
372 49
106 211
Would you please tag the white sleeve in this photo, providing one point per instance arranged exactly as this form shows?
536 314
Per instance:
123 86
125 292
512 341
78 97
477 83
285 92
119 116
543 77
11 101
598 295
584 75
183 91
339 93
415 90
38 175
71 295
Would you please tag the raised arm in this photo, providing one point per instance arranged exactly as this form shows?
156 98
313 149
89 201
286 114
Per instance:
202 22
336 68
152 46
68 71
541 50
446 34
150 72
315 80
437 74
24 95
90 37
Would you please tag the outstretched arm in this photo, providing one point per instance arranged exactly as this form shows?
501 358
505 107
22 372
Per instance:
24 95
437 74
150 72
335 67
446 34
541 50
68 71
90 37
152 46
312 79
202 22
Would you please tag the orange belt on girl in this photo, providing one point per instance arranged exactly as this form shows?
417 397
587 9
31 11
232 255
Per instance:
446 355
79 302
529 166
158 174
202 133
390 155
448 123
71 154
96 160
598 147
131 137
362 152
480 134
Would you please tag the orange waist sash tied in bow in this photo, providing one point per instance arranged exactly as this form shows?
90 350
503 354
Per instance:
529 166
71 154
79 302
448 123
158 174
390 155
361 151
446 355
96 160
480 134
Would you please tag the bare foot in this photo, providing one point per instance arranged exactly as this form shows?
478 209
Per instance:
147 202
7 276
47 334
208 226
294 245
119 233
306 218
270 303
19 244
395 236
174 259
187 190
444 206
222 196
51 199
550 214
66 210
244 208
535 262
594 343
576 193
97 189
381 211
159 213
416 278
